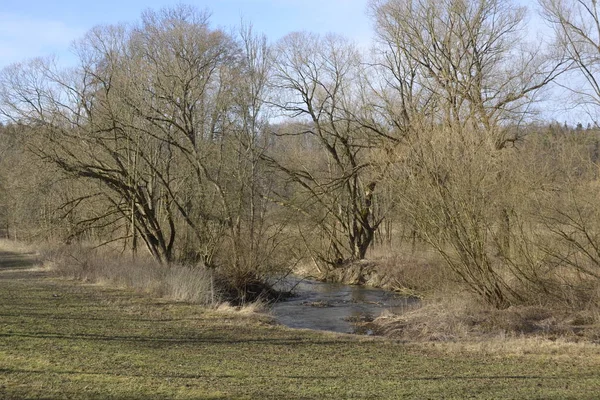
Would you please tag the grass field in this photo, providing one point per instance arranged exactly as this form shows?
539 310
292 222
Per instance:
61 339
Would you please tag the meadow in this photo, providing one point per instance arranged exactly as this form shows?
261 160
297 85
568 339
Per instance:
66 339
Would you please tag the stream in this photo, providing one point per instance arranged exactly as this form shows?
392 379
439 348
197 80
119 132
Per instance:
334 306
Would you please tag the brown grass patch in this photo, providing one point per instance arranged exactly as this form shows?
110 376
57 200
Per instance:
15 246
462 318
105 267
416 271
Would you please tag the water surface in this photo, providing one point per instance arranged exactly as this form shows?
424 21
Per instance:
335 307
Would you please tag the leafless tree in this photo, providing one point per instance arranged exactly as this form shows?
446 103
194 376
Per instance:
459 78
317 81
465 63
576 24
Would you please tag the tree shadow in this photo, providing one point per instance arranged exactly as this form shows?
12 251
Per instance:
17 261
73 393
215 339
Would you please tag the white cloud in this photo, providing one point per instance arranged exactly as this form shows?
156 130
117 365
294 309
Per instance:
22 37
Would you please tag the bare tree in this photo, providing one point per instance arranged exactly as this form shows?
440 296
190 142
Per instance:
466 60
576 24
165 122
317 81
462 78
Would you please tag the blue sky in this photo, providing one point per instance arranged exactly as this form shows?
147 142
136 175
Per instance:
40 27
34 28
30 28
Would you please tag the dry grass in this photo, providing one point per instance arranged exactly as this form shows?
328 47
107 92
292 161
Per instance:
449 313
104 267
415 271
503 346
253 308
17 246
462 318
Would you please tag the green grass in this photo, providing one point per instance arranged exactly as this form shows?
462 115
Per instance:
62 339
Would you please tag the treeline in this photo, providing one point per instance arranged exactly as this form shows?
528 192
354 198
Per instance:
227 152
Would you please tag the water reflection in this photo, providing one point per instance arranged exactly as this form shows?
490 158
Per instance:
334 307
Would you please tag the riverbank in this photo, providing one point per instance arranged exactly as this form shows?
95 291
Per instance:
62 339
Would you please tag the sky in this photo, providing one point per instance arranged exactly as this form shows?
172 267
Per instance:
40 27
35 28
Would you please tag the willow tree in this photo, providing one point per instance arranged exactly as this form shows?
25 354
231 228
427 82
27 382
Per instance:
569 212
163 120
462 79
